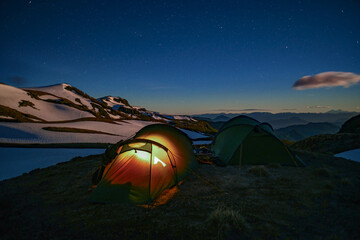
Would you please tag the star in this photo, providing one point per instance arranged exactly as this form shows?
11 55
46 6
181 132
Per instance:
30 2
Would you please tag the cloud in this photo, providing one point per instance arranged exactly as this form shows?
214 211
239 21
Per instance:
318 107
240 110
16 80
327 79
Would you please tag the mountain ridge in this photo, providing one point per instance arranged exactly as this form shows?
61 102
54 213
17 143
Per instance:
285 119
63 102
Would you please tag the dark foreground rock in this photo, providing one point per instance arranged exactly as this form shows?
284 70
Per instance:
320 201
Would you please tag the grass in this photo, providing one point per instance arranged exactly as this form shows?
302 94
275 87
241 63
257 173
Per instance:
329 143
226 221
200 126
292 203
287 142
273 165
322 172
345 181
259 171
75 130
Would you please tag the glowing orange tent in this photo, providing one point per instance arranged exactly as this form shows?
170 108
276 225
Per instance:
158 157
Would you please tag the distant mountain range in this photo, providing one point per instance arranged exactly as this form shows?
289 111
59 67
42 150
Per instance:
281 120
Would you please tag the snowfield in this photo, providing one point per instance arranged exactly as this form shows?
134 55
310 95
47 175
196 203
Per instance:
62 102
34 132
353 155
11 97
64 106
123 130
59 90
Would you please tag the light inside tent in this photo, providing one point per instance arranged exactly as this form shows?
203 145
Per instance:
142 155
137 144
156 161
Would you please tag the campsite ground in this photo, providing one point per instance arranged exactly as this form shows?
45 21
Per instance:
320 201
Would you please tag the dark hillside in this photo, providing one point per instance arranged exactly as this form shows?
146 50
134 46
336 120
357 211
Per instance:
320 201
299 132
351 126
329 143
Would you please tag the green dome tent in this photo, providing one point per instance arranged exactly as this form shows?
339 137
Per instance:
158 157
244 140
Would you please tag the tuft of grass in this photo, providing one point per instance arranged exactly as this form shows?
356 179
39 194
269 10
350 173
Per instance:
287 142
269 231
325 204
322 172
274 165
226 221
259 171
335 237
329 186
345 181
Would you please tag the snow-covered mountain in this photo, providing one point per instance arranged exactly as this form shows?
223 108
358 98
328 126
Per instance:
64 114
63 102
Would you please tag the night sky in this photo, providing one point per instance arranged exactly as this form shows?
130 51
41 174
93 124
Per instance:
187 57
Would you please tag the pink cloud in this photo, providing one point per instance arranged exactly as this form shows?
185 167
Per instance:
327 79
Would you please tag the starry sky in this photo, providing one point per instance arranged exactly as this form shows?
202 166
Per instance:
188 57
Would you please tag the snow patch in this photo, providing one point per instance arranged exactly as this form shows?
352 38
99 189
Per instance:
61 91
353 155
48 97
6 117
11 96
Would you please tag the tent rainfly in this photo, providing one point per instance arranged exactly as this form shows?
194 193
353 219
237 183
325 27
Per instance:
243 140
157 158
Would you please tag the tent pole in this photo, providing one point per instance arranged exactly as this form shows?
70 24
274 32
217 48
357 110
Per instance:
151 157
241 149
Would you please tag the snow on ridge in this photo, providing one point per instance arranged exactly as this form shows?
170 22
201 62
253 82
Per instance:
6 117
12 96
60 90
180 117
193 135
55 110
48 97
114 102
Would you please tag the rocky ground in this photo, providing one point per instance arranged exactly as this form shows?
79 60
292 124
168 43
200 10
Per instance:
320 201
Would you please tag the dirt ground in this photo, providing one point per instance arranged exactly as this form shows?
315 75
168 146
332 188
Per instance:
320 201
